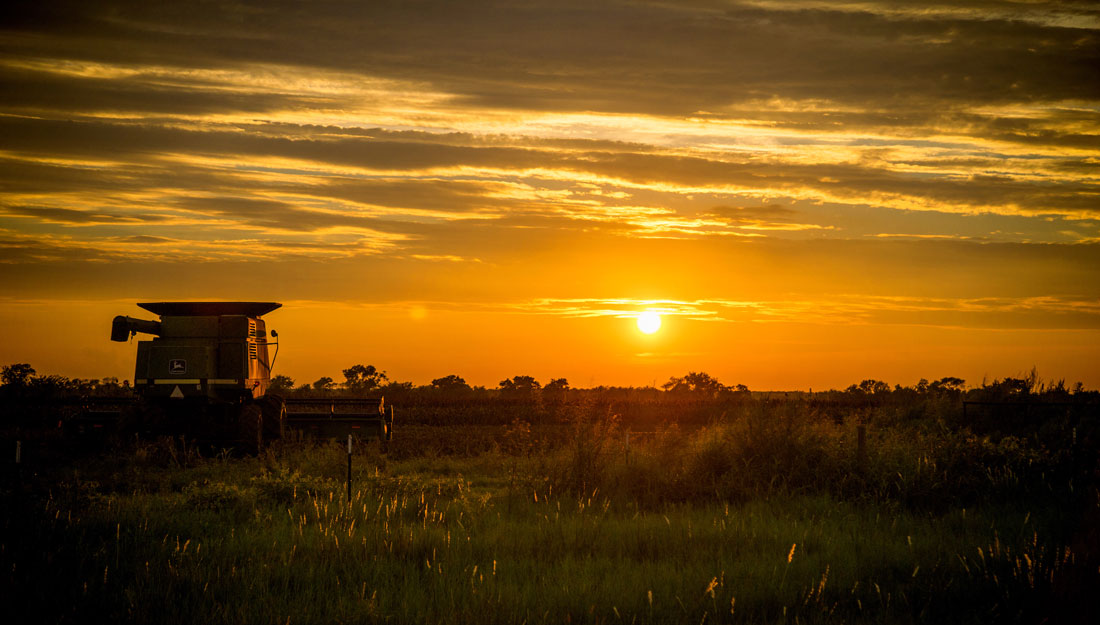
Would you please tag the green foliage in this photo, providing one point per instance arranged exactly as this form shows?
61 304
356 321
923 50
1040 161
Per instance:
517 439
594 431
284 485
219 497
764 455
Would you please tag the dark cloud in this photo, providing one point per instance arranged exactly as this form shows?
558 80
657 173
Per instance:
77 217
145 238
27 90
856 181
741 214
449 196
665 58
31 252
273 214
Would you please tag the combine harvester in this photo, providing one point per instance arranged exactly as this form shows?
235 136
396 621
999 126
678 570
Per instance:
206 374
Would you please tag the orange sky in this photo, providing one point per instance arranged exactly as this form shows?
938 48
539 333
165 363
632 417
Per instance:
812 193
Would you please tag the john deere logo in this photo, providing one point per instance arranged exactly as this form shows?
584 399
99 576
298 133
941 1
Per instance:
177 366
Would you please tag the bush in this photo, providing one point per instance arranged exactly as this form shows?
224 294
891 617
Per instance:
761 455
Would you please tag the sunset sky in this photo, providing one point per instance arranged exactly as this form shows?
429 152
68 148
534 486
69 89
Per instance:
810 192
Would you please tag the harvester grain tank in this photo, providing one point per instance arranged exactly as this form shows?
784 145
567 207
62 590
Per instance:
206 372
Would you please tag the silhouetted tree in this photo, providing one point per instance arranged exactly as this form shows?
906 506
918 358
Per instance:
18 374
872 387
694 382
324 384
360 378
450 383
281 384
555 392
947 385
520 383
108 387
557 384
1009 387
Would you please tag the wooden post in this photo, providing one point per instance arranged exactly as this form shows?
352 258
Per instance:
349 469
18 452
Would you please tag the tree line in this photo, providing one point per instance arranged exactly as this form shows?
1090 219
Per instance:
1012 404
359 379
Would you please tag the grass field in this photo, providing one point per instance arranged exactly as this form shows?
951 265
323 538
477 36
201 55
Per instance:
754 519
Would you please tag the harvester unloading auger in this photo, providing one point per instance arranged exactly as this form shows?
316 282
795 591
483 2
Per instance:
206 374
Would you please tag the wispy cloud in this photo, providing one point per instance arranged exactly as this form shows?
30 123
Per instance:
1027 312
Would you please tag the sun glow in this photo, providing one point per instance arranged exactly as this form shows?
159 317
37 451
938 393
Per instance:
649 322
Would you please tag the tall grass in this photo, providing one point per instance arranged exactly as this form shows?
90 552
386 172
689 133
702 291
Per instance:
740 522
760 454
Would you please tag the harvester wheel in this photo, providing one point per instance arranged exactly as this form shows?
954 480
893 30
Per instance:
274 409
250 429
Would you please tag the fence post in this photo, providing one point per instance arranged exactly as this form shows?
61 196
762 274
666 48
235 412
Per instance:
349 469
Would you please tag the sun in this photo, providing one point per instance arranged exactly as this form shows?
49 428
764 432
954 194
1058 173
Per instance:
649 322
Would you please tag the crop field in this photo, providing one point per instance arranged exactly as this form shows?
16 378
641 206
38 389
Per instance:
766 512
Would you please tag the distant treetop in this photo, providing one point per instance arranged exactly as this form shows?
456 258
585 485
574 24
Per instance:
520 383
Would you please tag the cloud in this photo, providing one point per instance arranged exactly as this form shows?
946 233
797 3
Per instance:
771 212
144 238
603 56
891 149
1044 312
421 177
72 216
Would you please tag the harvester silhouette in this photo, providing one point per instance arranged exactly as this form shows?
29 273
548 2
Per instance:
206 374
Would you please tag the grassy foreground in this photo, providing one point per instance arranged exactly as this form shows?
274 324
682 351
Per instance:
155 533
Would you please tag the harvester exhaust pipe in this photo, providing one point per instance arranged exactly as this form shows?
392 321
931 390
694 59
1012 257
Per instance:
123 327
